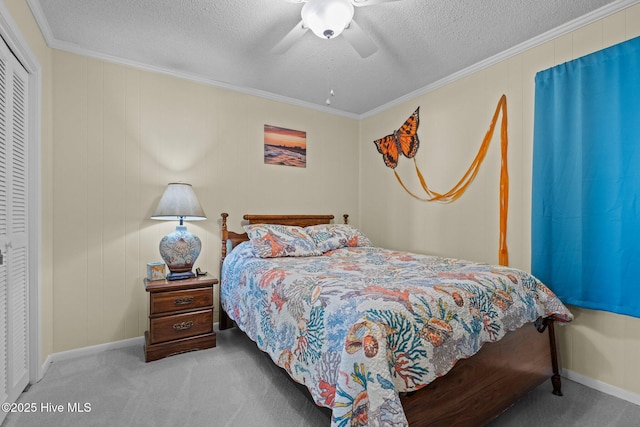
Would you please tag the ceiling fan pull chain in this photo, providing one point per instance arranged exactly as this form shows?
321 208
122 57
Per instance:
329 83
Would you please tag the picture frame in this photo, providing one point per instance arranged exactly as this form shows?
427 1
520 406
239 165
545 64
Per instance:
286 147
156 271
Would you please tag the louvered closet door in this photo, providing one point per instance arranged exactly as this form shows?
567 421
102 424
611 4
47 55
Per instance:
14 350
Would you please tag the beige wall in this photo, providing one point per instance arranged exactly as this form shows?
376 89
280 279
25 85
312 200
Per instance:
113 136
120 135
454 119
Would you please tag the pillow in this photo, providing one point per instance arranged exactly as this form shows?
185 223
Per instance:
328 237
270 240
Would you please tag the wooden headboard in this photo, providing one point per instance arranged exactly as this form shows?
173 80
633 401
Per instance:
235 239
299 220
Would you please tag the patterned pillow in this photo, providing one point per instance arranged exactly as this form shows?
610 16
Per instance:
271 241
328 237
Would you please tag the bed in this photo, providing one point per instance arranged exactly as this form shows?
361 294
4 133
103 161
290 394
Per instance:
384 337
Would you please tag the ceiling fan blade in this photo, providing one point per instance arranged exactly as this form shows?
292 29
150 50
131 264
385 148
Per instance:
360 3
292 36
360 41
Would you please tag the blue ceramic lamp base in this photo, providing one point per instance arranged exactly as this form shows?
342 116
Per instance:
179 250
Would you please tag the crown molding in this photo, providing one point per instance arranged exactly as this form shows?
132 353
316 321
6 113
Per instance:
54 43
72 48
589 18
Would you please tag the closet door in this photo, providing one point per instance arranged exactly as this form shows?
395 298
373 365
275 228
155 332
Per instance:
14 267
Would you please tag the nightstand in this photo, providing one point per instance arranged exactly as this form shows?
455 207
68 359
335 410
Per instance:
180 316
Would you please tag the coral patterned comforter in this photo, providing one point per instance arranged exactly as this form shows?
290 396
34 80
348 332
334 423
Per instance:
358 325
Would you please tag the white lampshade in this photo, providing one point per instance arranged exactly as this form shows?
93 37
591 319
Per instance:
179 202
179 249
327 18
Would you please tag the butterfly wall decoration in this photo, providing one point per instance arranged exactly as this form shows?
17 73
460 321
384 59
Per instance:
403 141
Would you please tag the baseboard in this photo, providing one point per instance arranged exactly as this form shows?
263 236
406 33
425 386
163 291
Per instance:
94 349
602 386
86 351
44 367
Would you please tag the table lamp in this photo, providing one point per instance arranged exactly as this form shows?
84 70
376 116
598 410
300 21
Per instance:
179 249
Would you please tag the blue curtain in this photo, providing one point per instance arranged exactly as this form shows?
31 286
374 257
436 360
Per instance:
586 180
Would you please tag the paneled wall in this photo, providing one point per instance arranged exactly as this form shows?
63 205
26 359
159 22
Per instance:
598 345
120 135
113 137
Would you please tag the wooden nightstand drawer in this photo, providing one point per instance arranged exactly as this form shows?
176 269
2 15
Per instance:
163 302
180 316
178 326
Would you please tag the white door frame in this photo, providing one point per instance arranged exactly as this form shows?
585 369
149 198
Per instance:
18 44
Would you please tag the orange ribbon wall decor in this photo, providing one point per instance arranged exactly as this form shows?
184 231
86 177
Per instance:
405 141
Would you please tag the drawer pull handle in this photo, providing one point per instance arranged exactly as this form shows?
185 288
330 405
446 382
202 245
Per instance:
182 326
183 301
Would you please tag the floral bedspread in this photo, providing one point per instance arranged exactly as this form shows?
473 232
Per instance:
358 325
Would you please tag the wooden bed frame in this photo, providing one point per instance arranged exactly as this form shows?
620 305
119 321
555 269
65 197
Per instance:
477 389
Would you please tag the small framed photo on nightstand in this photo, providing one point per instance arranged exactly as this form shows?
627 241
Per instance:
155 271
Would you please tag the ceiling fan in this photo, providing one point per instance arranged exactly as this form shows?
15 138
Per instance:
328 19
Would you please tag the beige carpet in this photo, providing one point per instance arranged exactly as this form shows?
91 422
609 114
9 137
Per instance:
235 384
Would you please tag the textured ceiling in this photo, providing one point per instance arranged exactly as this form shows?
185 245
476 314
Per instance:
228 43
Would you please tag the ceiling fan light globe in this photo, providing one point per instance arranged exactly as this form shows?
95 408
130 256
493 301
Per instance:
327 18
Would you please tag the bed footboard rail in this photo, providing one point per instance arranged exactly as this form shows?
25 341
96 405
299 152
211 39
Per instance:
480 388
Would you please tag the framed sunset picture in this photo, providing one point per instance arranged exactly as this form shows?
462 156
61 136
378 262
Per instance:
286 147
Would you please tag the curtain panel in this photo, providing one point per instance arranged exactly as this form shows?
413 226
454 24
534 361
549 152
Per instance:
586 180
